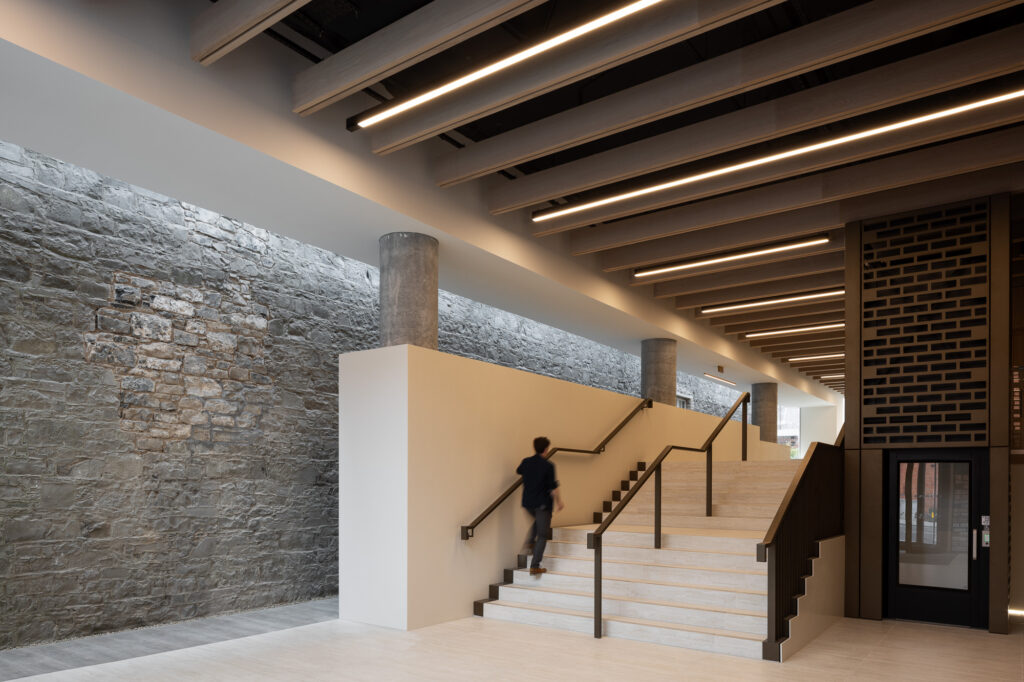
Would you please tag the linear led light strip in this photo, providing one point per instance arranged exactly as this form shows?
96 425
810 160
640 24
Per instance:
809 358
771 301
727 259
796 330
724 381
834 376
505 63
788 154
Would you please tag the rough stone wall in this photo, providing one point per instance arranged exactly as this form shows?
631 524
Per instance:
168 398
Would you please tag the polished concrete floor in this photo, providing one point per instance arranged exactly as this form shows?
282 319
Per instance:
480 649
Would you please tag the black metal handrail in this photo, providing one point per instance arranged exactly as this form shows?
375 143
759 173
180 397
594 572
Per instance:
467 531
594 539
812 510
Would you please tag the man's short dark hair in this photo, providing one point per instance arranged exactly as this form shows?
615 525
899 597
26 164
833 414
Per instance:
540 444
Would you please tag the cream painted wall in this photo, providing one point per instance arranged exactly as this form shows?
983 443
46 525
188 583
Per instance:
822 603
817 424
469 425
372 489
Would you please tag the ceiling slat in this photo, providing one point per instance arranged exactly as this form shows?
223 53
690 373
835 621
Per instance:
754 315
643 33
229 23
811 265
995 116
761 230
843 36
807 320
963 156
805 220
947 68
766 343
427 31
780 287
836 243
819 350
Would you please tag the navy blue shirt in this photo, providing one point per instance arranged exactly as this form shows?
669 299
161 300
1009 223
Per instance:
538 482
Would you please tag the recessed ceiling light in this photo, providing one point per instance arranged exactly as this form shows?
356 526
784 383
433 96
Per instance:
808 358
724 381
726 259
511 60
771 301
788 154
834 376
796 330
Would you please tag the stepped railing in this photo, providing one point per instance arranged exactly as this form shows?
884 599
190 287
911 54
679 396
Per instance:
654 469
467 530
812 510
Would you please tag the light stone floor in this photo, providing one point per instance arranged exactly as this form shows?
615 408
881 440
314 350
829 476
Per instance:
481 649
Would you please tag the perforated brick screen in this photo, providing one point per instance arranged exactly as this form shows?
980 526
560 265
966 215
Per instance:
925 327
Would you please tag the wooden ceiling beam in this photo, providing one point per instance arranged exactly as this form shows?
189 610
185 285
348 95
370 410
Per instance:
744 234
944 69
819 350
807 340
998 148
842 36
633 37
429 30
804 220
793 310
812 265
995 116
836 243
222 27
782 287
799 321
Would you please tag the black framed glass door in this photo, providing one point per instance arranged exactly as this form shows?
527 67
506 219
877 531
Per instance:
936 547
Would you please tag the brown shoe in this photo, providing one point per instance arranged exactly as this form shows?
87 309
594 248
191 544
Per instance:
537 570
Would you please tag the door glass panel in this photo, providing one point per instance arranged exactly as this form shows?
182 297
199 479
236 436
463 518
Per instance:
934 511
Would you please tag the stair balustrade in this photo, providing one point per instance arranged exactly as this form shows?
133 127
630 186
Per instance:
594 539
812 510
467 530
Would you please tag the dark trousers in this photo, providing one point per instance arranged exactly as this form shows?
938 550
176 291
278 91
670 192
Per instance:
539 532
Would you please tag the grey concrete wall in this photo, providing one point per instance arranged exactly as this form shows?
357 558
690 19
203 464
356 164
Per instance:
168 397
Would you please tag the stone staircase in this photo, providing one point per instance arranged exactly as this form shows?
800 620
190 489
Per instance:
704 589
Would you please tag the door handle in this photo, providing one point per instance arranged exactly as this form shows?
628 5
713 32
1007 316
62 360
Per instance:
974 543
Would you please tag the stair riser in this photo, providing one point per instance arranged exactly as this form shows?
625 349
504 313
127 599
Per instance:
648 591
669 574
640 554
643 633
672 521
706 543
615 607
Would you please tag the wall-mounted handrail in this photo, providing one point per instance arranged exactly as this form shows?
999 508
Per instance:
594 538
812 510
467 531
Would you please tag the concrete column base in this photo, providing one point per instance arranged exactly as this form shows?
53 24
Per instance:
408 290
658 370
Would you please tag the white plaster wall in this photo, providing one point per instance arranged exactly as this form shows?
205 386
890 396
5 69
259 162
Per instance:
817 424
469 425
373 488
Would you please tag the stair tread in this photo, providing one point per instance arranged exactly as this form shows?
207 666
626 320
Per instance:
715 588
606 545
654 602
653 563
634 621
666 530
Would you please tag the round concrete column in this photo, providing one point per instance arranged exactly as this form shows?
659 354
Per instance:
764 407
408 290
658 370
